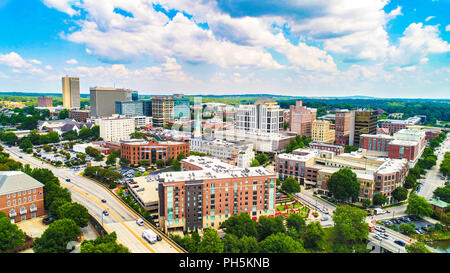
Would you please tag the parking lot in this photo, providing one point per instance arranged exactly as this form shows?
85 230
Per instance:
421 225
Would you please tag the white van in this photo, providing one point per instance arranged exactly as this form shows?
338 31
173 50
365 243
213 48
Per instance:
140 222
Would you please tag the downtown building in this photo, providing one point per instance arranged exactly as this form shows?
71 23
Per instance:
395 125
137 150
208 191
313 168
365 123
300 119
103 100
79 115
321 131
115 127
236 154
167 109
71 92
21 196
45 102
344 127
264 116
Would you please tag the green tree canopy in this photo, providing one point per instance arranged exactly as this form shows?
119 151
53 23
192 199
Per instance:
280 243
211 242
240 225
417 205
343 184
104 244
400 194
10 234
74 211
290 185
56 237
350 225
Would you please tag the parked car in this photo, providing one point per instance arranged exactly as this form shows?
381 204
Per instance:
376 237
135 186
384 235
67 179
400 243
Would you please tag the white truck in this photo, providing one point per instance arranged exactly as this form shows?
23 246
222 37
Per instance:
379 211
150 236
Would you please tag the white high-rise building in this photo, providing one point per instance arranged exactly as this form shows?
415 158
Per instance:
116 128
264 116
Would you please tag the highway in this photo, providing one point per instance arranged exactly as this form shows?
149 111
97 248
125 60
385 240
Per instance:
433 177
121 219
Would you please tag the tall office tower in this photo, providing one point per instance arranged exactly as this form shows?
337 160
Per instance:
103 100
301 118
264 116
162 110
343 122
71 92
181 107
321 131
365 123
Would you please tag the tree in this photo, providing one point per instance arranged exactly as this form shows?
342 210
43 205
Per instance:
296 222
262 158
103 244
290 185
137 174
400 194
366 203
410 181
348 149
379 199
418 206
233 244
160 163
56 237
10 234
417 247
443 193
280 243
54 206
314 237
343 184
85 133
176 166
78 213
350 225
254 163
268 226
10 138
211 242
110 159
240 225
407 228
25 144
63 114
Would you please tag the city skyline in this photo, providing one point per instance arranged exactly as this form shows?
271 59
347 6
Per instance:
390 49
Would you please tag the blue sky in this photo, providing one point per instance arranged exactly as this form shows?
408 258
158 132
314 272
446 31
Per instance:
397 48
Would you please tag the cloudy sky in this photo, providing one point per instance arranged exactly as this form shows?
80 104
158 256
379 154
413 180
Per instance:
382 48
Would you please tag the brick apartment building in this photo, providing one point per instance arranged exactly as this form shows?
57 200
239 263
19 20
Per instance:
79 115
136 150
207 192
45 101
322 146
21 196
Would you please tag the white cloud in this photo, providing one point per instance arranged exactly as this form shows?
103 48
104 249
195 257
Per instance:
429 18
62 5
417 42
48 67
169 70
34 61
13 59
447 28
72 61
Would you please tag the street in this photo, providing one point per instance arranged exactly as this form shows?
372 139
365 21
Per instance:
121 219
433 177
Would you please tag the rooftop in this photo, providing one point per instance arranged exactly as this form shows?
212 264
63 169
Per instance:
14 181
212 168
